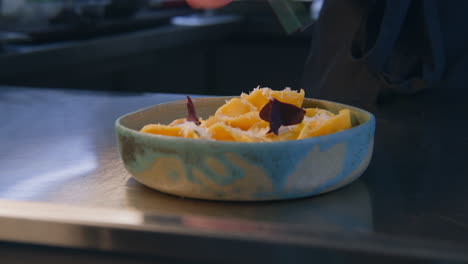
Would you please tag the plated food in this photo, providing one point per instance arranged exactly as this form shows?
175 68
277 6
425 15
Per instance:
263 115
265 145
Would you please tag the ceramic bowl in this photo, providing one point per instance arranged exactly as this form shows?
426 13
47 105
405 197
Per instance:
238 171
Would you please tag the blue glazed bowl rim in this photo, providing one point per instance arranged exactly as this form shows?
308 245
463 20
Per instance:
369 124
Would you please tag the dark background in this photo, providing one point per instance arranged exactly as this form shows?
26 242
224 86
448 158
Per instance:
258 52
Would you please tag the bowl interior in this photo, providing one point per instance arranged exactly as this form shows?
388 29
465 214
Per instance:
167 112
222 170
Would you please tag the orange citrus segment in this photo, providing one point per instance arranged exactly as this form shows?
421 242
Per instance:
178 121
163 130
221 132
245 121
210 121
311 112
337 123
174 131
239 120
235 107
289 96
258 97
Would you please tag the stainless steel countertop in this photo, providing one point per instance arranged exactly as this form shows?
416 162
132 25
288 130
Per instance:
62 183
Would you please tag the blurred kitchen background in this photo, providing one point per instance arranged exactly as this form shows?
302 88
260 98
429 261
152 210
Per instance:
153 45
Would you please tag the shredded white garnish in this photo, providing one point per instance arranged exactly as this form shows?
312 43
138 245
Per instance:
285 129
188 127
319 116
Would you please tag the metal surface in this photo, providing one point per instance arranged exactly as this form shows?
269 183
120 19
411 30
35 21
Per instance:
62 183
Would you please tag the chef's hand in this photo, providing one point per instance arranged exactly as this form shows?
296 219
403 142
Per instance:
207 4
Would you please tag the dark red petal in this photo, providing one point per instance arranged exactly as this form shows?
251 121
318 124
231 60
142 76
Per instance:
192 114
281 114
291 114
265 112
275 117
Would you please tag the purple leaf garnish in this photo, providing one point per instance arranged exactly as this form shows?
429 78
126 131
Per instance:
280 114
192 114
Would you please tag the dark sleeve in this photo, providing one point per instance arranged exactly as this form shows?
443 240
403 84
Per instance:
366 48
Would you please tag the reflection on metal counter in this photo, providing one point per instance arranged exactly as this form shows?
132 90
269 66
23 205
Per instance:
326 212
